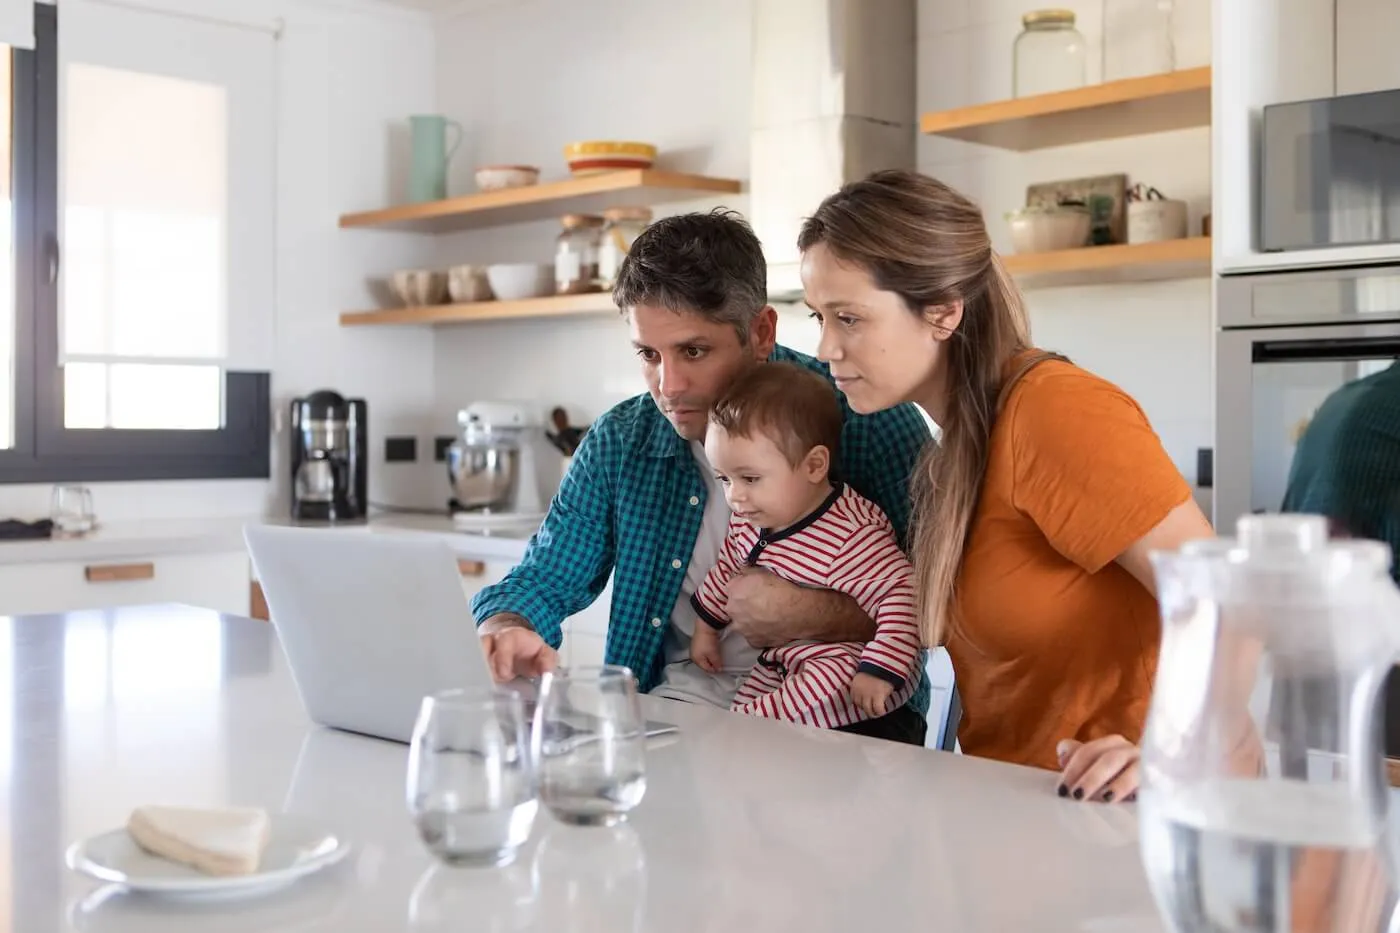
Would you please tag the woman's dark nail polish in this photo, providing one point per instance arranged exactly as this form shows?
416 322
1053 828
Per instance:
1108 796
1079 793
1064 791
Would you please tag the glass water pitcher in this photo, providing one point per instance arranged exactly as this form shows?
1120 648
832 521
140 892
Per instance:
1263 806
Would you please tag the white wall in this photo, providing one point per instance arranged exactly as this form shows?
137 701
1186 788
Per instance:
349 72
607 57
1154 340
673 73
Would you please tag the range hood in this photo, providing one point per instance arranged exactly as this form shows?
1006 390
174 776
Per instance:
833 100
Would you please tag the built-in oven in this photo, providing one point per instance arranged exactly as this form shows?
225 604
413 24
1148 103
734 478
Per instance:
1287 341
1330 172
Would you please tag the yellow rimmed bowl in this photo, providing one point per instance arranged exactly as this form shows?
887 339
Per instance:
589 157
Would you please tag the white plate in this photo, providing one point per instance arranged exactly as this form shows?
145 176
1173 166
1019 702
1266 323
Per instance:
297 846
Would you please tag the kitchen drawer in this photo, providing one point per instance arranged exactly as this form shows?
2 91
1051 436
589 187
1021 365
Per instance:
213 581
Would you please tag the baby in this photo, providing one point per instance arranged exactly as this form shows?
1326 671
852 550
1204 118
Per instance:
772 441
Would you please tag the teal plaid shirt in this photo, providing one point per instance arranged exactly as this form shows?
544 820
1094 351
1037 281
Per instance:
632 504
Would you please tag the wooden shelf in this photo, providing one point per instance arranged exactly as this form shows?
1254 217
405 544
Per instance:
1133 262
552 306
631 187
1172 101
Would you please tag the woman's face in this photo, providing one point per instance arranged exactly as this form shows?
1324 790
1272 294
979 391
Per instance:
880 353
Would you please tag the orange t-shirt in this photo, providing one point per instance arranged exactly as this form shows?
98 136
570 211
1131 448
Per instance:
1054 639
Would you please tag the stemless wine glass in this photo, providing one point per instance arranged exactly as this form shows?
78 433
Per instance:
590 744
70 510
471 783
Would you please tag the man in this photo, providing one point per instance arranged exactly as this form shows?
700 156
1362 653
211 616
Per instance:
641 502
1347 468
1347 463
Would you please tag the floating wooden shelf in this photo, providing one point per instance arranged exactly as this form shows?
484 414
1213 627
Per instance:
1172 101
631 187
1133 262
552 306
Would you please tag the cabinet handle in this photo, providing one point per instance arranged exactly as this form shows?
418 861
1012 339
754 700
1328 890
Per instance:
471 568
112 573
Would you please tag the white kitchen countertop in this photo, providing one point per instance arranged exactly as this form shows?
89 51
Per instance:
746 824
211 535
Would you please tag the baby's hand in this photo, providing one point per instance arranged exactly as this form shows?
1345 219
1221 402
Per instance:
704 647
871 694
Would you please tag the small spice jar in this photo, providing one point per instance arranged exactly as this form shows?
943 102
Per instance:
576 254
1049 54
622 225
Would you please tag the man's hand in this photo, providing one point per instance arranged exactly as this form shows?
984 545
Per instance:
769 611
1105 769
704 647
513 649
871 694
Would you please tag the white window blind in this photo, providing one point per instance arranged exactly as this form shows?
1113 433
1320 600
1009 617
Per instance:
166 193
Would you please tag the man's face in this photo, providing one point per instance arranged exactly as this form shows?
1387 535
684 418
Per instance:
689 361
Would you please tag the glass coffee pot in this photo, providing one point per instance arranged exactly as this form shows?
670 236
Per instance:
1264 806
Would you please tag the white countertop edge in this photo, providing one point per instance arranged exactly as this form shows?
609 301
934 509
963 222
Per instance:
163 537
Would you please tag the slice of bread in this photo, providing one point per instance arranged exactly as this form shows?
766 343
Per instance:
213 841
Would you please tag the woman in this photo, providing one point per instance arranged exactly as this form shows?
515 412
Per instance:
1035 512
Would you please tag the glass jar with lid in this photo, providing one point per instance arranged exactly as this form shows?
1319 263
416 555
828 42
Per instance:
1049 54
622 225
576 254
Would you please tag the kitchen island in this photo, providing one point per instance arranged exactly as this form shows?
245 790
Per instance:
746 824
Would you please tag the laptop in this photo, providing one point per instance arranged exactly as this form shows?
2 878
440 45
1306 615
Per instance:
370 624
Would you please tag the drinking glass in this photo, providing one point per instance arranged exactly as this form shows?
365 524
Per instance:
590 744
70 509
471 784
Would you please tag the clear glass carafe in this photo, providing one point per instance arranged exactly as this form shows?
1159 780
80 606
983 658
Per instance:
1263 805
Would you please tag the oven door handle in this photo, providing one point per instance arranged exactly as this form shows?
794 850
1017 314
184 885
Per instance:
1327 348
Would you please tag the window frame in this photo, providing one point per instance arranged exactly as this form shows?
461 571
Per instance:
44 449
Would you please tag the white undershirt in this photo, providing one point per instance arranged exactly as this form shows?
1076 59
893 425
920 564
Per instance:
682 679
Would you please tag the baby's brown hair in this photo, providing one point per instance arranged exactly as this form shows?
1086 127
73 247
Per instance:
791 405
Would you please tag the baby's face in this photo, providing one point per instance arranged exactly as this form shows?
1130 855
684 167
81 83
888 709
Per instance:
760 485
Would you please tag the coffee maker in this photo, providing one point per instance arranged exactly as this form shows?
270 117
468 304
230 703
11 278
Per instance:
329 458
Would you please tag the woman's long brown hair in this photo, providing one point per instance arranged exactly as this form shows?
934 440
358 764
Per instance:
928 244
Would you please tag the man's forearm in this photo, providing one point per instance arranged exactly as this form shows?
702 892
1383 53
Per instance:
826 615
503 620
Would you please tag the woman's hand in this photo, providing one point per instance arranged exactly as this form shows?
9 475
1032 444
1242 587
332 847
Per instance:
1105 769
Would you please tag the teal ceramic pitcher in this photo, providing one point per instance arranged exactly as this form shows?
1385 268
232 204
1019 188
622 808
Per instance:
427 180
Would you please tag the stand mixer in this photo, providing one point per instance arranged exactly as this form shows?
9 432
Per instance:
492 467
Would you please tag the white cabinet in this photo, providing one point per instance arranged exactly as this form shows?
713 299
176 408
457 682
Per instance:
1368 36
585 632
216 581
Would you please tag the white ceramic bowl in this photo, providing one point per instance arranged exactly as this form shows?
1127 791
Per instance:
512 281
497 177
1044 230
417 287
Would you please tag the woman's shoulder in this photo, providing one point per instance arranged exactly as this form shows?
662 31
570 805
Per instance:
1055 393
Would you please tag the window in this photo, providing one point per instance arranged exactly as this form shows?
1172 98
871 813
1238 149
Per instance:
136 248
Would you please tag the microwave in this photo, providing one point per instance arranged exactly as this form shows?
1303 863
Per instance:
1330 172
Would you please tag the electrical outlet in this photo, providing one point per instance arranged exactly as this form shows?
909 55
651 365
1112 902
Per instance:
440 445
400 449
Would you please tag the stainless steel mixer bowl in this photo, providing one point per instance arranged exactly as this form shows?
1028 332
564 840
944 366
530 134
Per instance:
483 476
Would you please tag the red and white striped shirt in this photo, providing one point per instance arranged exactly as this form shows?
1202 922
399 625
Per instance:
847 545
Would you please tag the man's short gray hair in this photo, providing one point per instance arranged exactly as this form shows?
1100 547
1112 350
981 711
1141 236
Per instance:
707 264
